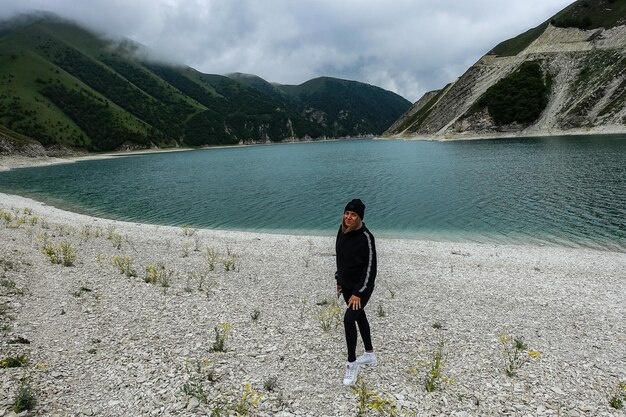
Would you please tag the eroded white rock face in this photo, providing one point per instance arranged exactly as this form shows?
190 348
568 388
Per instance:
12 147
588 73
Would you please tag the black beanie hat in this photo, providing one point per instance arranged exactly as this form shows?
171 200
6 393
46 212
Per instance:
356 206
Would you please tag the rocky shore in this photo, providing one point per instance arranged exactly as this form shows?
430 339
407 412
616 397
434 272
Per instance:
131 325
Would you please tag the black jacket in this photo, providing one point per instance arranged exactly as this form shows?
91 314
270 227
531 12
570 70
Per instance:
356 261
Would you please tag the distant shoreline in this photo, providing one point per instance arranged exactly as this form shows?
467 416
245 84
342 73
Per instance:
604 131
9 162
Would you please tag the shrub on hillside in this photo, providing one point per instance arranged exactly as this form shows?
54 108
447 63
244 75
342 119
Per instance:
519 97
580 22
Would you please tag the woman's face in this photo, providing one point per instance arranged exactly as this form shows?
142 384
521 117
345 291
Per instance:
349 217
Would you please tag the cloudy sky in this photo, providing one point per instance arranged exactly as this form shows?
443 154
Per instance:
406 46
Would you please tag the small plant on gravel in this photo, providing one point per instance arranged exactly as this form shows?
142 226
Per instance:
198 371
255 314
49 249
194 388
247 402
124 265
199 276
64 230
211 255
25 397
243 404
370 401
270 384
204 370
381 311
111 230
114 236
187 287
618 397
116 239
309 253
41 240
158 274
221 334
324 302
100 259
434 366
68 254
130 242
85 231
186 247
188 230
165 284
63 253
303 307
7 264
434 375
19 221
7 283
81 290
6 216
14 362
230 262
515 353
197 244
209 287
329 316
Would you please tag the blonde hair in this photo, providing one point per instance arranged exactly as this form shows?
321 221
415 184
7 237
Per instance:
355 226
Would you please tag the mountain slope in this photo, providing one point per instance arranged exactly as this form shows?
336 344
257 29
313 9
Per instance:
64 85
576 61
344 107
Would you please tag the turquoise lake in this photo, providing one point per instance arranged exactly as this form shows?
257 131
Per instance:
568 191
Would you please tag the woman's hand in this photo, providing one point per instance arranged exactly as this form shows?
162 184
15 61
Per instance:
354 302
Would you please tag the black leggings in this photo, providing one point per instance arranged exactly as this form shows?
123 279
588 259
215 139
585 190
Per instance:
351 319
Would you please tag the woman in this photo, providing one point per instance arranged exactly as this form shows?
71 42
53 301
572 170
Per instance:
356 272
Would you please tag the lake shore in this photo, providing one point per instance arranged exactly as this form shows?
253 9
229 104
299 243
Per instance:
8 162
128 328
599 131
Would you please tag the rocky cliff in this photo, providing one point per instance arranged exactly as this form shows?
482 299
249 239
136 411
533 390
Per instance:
584 71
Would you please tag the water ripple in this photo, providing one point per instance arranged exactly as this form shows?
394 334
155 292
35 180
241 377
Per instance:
543 191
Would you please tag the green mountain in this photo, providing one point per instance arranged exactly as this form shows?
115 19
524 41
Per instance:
63 85
339 105
567 75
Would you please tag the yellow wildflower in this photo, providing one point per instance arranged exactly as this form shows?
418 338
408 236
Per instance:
534 354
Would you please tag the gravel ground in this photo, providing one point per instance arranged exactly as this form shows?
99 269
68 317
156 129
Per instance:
102 343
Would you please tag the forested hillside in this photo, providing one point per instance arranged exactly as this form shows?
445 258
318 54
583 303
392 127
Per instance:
63 85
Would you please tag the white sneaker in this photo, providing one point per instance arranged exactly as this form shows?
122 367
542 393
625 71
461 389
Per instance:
352 373
367 358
